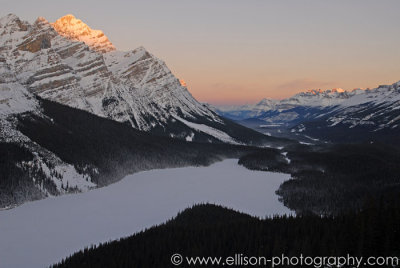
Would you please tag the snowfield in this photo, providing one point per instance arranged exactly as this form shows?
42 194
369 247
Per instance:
40 233
222 136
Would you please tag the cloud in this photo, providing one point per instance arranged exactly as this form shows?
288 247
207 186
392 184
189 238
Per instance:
303 84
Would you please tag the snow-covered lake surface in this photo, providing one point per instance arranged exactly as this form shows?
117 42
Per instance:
40 233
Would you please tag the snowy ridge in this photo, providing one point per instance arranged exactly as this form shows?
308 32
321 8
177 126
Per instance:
374 107
14 98
154 87
222 136
64 176
311 98
320 98
378 109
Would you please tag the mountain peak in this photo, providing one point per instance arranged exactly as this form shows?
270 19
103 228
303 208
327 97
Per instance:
12 22
41 19
75 29
9 18
313 91
324 92
266 101
41 22
182 82
338 90
68 17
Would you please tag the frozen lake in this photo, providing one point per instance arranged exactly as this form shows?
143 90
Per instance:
40 233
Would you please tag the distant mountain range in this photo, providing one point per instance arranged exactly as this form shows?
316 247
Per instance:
310 98
335 115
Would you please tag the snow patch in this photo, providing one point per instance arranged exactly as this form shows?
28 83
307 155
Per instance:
286 158
220 135
190 137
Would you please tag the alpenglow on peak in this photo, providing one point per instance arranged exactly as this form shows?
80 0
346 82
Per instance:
75 29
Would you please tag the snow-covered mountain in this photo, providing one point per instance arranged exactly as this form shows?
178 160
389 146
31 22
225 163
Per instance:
68 62
310 98
371 115
379 107
317 112
334 99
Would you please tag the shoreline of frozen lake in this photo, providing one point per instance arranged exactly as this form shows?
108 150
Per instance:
41 233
